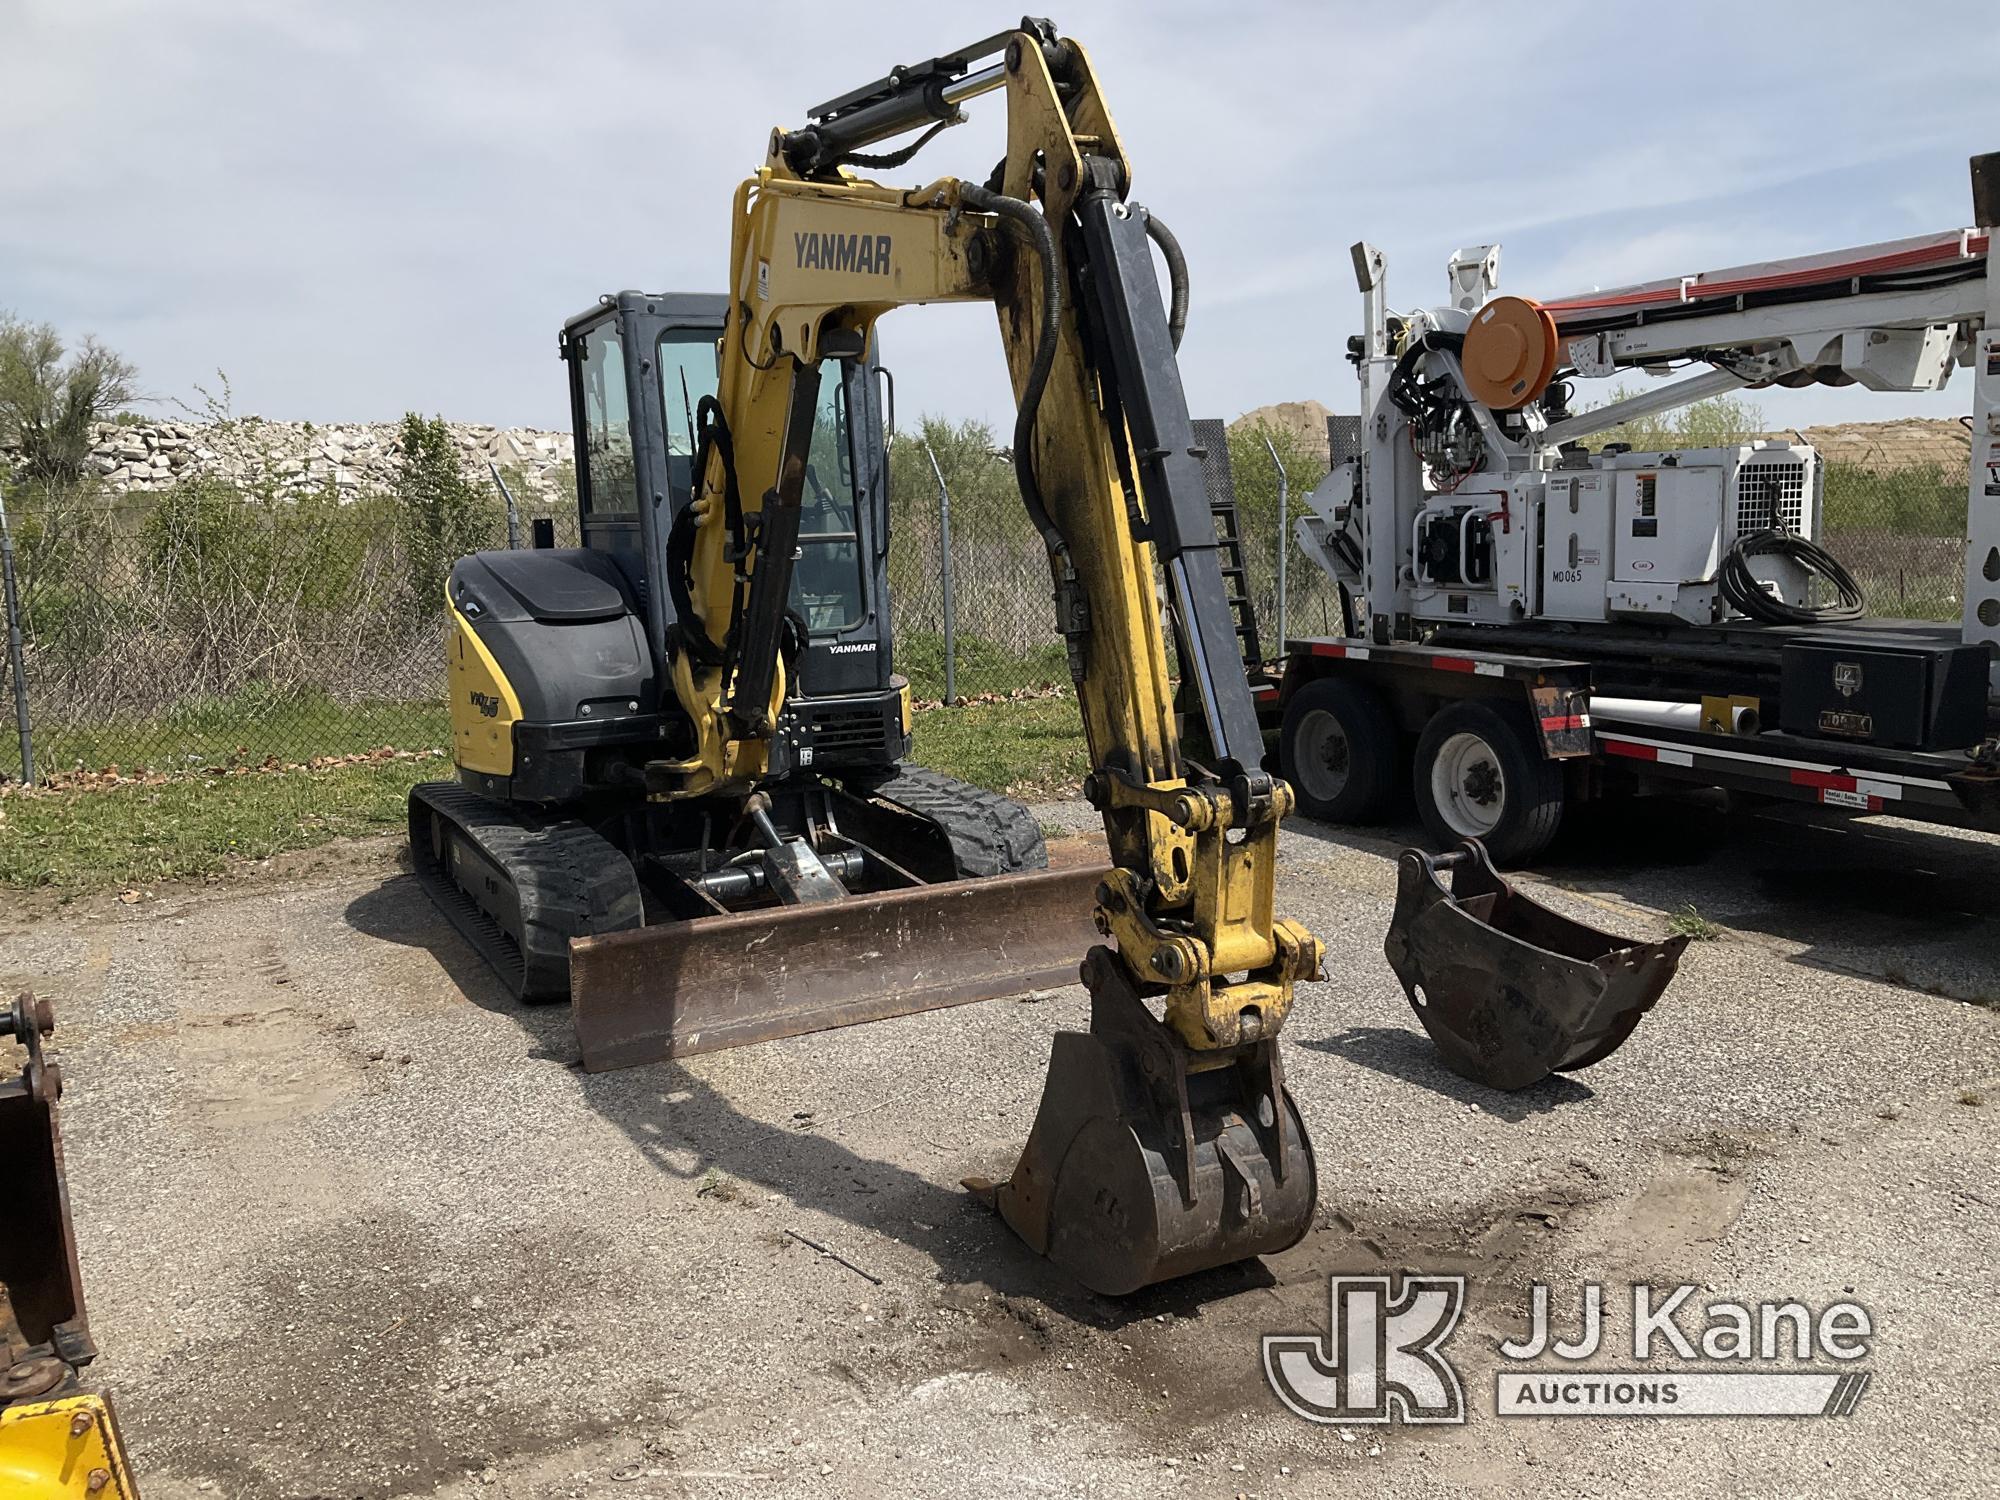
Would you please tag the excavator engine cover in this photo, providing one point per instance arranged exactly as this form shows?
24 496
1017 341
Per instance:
1141 1168
1510 990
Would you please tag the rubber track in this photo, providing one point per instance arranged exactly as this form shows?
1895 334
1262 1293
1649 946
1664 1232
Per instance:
569 880
990 834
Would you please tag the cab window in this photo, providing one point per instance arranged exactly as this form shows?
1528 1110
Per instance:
687 360
611 484
826 580
827 588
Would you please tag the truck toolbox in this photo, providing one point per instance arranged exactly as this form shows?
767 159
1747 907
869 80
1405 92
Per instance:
1884 690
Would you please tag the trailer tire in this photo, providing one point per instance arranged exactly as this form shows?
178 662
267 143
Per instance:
1340 750
1480 774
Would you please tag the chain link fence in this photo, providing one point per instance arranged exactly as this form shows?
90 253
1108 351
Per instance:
973 597
1899 526
203 629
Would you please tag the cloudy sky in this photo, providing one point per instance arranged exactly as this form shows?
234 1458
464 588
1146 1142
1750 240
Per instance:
363 207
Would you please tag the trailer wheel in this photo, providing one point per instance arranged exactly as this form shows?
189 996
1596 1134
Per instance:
1479 774
1340 750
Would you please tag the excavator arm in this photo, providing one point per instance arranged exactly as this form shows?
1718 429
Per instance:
1166 1142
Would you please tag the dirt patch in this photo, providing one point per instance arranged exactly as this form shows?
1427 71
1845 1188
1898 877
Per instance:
1174 1362
347 1318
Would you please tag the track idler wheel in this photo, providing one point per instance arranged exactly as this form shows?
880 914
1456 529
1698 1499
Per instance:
1148 1160
1510 990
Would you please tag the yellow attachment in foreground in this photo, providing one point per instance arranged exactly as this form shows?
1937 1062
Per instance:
484 705
52 1449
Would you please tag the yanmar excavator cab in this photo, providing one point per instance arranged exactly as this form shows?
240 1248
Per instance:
562 697
639 365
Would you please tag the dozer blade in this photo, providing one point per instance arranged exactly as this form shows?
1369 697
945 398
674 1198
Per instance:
1142 1165
1510 990
680 988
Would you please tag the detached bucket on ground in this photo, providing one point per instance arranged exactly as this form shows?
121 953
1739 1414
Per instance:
1510 990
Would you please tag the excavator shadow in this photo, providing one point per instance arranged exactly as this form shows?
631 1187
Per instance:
692 1131
1409 1057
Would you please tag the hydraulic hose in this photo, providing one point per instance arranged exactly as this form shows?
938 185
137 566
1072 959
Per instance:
711 431
1748 596
1177 276
981 200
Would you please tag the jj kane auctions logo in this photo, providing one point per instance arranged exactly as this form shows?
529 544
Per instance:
1383 1357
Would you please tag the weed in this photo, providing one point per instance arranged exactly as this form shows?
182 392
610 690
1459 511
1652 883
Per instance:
1692 925
719 1186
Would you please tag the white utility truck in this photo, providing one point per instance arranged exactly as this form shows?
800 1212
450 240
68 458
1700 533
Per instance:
1528 624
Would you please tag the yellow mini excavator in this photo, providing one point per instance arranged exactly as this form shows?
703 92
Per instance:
1165 1142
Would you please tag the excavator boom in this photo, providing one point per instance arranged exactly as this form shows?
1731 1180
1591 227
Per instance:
1166 1142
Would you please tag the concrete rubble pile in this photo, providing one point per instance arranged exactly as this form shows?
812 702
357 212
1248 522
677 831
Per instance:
351 456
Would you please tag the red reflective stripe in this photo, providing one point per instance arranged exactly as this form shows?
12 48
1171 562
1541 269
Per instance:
1941 252
1629 750
1824 780
1454 663
1556 722
1327 648
1659 295
1264 692
1874 265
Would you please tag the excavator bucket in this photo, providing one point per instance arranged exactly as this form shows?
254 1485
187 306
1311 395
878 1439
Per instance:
54 1439
1141 1168
1510 990
679 988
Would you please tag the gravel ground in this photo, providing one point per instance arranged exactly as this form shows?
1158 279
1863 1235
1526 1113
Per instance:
354 1226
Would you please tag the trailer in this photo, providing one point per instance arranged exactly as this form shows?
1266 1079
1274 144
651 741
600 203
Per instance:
1501 745
1529 625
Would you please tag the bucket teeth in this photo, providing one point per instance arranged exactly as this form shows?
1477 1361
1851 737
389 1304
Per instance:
1140 1168
1509 989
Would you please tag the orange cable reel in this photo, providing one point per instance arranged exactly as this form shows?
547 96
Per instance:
1510 353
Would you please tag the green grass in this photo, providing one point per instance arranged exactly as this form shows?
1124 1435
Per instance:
124 836
243 729
133 835
1692 925
1033 746
978 665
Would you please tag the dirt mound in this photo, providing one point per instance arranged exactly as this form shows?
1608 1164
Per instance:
1884 447
1879 447
1303 420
